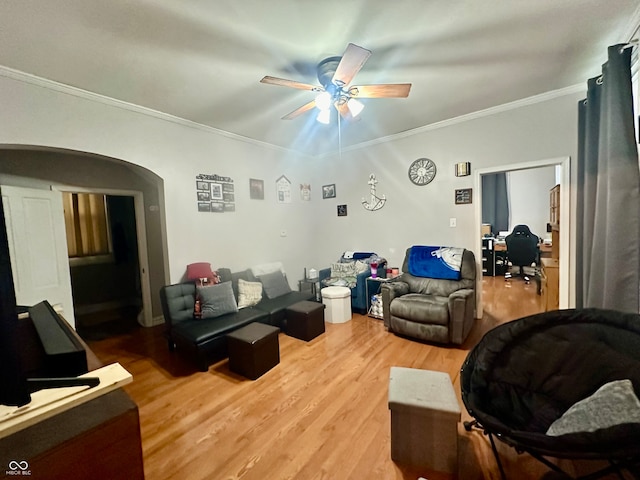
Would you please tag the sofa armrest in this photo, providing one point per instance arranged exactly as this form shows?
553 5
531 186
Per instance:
391 290
323 275
359 292
177 303
461 308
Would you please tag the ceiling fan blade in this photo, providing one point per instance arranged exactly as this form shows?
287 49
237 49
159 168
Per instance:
388 90
352 61
299 111
289 83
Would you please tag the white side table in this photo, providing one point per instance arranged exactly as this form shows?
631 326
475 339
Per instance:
372 287
314 285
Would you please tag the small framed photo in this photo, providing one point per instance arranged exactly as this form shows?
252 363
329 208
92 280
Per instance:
342 210
204 206
216 191
329 191
204 197
463 196
256 189
200 185
217 207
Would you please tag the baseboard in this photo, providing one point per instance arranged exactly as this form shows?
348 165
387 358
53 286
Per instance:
105 306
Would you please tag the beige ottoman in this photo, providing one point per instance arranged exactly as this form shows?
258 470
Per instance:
337 301
424 419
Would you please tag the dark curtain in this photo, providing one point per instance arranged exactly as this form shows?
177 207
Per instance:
608 191
495 201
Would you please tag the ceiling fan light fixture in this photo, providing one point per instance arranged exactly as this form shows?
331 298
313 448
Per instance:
335 75
323 101
324 116
355 107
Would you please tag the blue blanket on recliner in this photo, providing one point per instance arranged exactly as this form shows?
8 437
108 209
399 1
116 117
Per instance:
435 262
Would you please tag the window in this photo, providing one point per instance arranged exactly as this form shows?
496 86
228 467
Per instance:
86 224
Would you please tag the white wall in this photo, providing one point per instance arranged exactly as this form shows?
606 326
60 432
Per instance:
420 215
529 198
32 115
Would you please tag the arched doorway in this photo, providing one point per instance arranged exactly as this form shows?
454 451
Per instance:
68 170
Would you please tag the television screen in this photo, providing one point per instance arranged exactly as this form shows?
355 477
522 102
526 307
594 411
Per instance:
13 384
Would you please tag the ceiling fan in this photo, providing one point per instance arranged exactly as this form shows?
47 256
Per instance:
335 75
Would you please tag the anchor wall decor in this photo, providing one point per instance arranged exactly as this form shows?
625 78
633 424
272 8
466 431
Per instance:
375 203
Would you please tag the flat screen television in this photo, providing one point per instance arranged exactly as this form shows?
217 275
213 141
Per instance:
13 382
15 387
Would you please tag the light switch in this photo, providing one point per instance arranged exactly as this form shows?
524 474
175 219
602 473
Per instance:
452 222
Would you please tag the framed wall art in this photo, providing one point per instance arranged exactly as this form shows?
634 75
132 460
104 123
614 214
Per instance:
305 192
215 193
463 169
256 189
463 196
329 191
283 190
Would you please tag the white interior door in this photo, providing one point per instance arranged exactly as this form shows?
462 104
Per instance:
38 247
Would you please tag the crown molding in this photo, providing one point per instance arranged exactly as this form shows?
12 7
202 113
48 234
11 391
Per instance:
505 107
112 102
103 99
633 26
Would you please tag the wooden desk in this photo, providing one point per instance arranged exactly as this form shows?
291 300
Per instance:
98 439
550 283
545 249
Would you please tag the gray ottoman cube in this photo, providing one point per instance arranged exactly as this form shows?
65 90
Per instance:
424 419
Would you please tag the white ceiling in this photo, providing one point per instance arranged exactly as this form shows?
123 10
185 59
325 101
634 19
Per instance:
202 60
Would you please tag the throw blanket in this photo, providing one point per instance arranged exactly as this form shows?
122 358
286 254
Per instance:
435 262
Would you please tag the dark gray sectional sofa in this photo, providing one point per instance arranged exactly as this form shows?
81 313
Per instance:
205 339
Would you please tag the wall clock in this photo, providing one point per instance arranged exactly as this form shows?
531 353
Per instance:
422 171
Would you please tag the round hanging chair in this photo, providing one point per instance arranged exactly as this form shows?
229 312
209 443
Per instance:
526 374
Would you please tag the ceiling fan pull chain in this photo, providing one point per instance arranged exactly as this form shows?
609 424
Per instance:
339 138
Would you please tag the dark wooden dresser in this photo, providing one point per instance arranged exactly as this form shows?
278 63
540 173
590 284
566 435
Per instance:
98 439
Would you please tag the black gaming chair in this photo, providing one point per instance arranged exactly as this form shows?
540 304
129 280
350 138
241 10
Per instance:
522 249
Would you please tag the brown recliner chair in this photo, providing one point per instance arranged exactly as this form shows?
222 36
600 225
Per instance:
431 309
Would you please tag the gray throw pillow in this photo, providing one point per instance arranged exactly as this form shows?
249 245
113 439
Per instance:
275 284
217 300
612 404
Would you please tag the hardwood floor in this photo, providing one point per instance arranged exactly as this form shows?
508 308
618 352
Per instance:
322 413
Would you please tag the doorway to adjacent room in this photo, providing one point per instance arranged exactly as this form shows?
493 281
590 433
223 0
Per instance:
562 166
104 262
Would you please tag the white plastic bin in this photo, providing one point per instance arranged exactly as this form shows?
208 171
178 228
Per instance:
337 301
